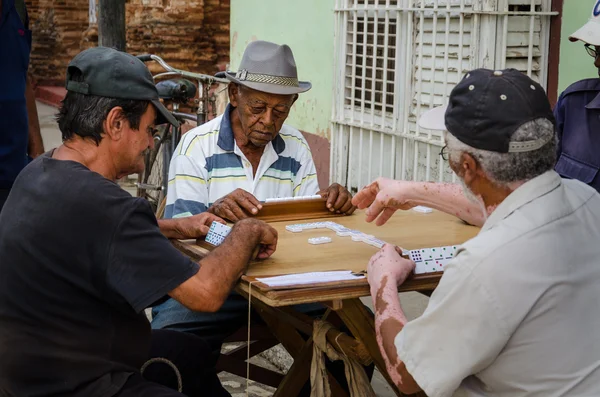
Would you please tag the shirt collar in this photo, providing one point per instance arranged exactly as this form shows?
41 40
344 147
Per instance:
595 103
226 140
524 194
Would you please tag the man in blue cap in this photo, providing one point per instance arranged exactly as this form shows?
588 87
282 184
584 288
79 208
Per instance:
577 114
82 259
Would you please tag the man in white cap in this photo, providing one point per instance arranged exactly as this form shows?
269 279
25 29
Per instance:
516 311
577 114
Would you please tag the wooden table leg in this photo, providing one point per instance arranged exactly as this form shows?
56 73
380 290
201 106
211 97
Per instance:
300 350
362 325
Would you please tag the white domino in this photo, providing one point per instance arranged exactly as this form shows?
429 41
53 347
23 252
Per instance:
342 231
319 240
217 233
283 199
430 260
424 210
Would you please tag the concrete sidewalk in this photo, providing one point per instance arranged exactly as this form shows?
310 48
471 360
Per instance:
413 303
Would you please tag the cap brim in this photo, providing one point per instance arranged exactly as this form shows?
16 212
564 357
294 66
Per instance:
277 89
163 115
434 119
588 33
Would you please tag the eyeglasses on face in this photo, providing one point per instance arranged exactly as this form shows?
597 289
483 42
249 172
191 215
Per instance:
591 50
444 152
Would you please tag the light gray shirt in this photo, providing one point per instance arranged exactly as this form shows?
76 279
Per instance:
517 312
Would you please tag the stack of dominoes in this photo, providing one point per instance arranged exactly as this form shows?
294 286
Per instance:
340 230
283 199
430 260
217 233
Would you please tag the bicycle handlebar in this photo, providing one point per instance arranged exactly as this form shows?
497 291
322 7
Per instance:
182 73
145 57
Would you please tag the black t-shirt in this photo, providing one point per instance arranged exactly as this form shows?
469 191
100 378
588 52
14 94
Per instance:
80 260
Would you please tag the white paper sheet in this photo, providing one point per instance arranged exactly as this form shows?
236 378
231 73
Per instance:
309 278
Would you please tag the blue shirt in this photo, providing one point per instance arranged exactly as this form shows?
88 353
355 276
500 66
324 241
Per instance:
577 114
15 46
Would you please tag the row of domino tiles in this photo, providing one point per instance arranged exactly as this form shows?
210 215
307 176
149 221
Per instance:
282 199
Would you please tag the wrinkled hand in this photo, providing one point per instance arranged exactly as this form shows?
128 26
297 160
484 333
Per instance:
196 226
236 206
339 199
265 234
383 197
388 262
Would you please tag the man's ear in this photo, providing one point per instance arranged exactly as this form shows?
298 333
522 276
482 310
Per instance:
114 124
294 100
234 92
470 169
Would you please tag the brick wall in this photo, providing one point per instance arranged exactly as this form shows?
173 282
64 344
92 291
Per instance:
192 35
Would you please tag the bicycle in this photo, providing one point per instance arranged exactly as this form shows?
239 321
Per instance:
152 183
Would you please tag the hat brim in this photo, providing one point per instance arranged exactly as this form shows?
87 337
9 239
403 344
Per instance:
434 119
588 33
277 89
163 115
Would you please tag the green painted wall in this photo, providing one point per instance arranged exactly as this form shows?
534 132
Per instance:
575 64
307 26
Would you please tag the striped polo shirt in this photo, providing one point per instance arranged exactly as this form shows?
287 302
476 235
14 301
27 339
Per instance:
207 165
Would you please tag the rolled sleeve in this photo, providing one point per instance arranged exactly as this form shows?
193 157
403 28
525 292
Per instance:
144 266
458 335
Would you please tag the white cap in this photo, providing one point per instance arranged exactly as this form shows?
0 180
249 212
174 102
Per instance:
433 119
590 32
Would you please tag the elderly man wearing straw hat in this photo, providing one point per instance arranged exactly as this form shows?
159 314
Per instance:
232 163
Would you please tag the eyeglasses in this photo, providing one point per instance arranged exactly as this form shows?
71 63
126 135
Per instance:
444 153
591 50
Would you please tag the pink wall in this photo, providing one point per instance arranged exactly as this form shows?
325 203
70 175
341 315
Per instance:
320 151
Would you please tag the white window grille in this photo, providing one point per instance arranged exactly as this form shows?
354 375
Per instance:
396 59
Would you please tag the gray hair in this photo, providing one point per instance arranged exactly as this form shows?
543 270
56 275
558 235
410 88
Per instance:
506 168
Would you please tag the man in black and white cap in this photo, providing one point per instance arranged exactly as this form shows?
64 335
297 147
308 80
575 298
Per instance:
81 259
516 311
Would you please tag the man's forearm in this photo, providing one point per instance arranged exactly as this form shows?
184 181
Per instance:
36 144
227 262
389 321
448 198
169 228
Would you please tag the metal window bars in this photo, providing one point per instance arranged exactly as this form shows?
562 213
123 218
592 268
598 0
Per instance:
395 59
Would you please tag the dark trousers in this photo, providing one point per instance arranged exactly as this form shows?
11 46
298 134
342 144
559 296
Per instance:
215 339
192 357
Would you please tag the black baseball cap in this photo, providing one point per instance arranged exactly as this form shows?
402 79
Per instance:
115 74
487 106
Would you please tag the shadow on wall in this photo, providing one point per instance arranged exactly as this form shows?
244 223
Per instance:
319 147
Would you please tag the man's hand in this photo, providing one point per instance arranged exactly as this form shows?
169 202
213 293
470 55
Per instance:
389 263
236 206
266 236
383 197
196 226
339 199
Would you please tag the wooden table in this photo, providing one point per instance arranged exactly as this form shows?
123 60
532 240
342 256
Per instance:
407 229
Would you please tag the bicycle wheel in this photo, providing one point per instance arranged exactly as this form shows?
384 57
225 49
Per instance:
152 182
